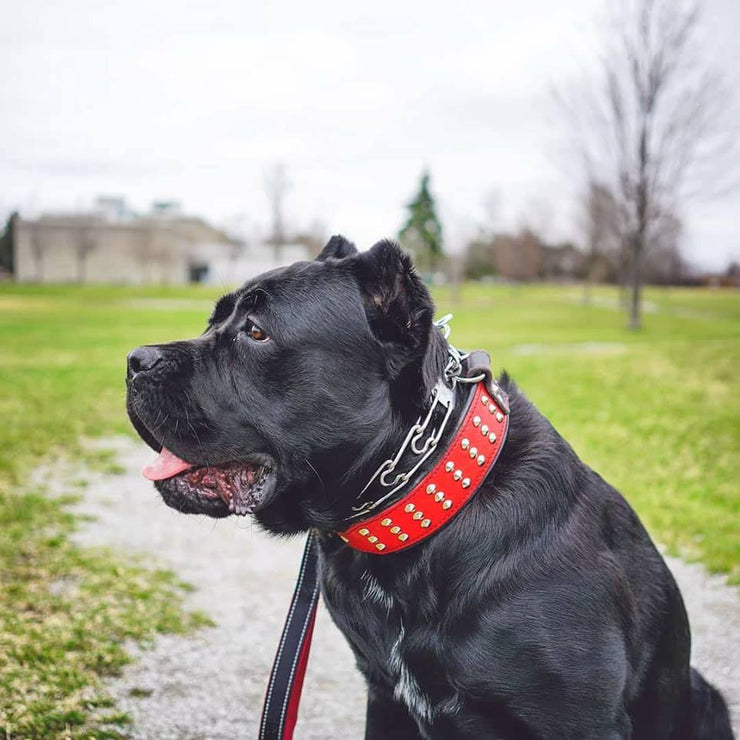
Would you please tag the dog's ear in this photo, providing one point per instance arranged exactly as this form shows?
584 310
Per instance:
397 303
400 312
337 248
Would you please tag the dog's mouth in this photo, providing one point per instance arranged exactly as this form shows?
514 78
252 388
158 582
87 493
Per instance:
237 486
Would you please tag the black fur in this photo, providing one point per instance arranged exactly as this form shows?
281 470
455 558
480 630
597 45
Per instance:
542 610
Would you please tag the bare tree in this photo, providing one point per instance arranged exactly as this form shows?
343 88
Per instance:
313 237
491 208
85 242
277 185
664 263
479 258
651 122
600 229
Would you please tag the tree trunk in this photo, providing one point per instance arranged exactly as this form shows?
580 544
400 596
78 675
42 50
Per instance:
635 322
589 279
624 280
639 238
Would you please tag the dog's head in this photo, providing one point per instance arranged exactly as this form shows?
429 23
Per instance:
305 377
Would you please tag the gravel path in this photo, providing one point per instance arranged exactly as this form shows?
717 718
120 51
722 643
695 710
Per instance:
210 686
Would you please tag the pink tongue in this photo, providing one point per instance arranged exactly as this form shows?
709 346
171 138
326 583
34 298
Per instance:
165 466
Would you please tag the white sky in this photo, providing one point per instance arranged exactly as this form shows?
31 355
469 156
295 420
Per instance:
168 99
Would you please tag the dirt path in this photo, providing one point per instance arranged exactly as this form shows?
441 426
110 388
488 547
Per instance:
210 686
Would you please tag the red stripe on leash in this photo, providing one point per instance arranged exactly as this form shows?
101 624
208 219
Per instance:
291 715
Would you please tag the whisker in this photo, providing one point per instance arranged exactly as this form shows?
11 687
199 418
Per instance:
316 473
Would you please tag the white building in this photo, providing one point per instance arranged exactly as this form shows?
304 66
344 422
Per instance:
113 245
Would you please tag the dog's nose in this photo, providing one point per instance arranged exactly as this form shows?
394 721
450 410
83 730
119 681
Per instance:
142 359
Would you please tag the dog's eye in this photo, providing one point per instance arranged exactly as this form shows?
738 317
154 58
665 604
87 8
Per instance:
255 332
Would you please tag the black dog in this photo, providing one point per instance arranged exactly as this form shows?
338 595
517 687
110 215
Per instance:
542 610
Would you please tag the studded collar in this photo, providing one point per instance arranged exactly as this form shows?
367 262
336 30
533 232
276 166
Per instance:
440 494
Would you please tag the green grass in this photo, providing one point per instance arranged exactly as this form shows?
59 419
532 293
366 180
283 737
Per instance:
65 611
656 412
64 614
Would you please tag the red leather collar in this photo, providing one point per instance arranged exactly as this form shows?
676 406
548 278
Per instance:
443 492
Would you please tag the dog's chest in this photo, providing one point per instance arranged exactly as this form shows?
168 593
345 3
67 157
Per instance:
379 629
369 616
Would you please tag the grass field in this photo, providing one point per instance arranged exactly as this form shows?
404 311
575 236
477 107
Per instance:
657 413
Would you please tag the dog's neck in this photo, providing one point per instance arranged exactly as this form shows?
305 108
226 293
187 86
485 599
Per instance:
444 458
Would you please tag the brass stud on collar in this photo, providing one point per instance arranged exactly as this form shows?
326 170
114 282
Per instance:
432 489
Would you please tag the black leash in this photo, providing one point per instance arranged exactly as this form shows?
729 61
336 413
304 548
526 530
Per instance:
280 710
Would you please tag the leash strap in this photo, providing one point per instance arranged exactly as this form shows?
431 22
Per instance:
280 711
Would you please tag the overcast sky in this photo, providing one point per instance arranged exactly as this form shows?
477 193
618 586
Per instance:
193 101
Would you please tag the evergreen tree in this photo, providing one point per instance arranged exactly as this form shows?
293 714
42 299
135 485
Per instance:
422 232
7 239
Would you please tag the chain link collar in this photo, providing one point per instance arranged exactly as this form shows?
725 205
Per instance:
423 437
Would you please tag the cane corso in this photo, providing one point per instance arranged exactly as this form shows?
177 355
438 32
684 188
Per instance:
542 609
